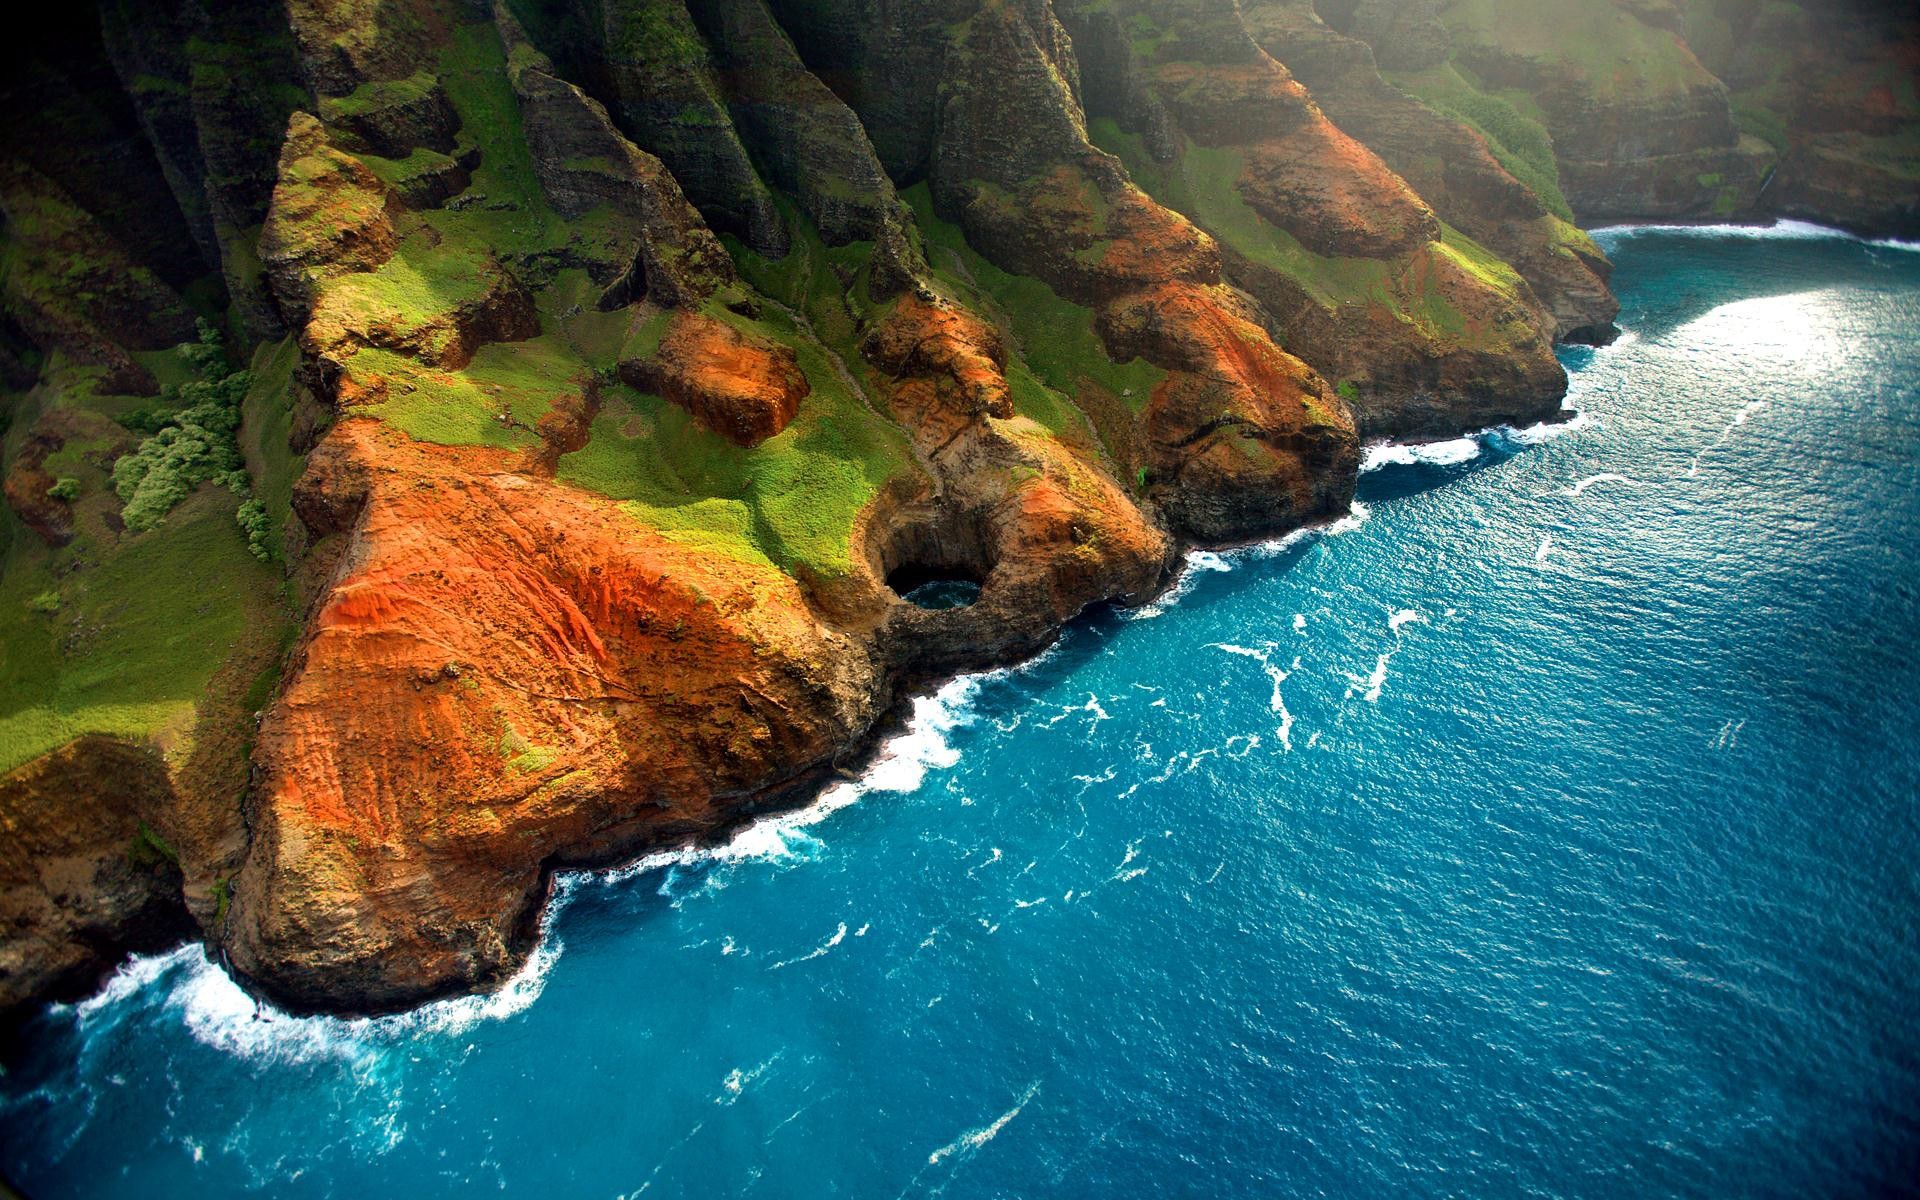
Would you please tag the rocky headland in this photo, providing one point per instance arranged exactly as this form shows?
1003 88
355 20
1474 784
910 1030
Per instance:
450 441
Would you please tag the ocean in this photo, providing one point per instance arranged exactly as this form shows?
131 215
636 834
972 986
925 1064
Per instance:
1546 828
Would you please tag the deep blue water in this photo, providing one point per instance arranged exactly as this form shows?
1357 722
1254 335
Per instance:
1550 832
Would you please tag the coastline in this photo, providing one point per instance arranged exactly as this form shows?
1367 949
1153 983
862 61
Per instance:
914 717
894 757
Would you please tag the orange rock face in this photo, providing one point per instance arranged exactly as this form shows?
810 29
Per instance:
951 348
502 669
744 387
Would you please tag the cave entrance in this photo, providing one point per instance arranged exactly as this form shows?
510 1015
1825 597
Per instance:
935 587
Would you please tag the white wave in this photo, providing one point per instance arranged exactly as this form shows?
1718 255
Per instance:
1546 431
1790 231
973 1139
1546 548
218 1013
1373 685
1183 582
1402 617
1299 622
738 1081
1357 515
135 976
1434 454
1227 560
820 951
1091 708
1739 419
1277 702
1595 480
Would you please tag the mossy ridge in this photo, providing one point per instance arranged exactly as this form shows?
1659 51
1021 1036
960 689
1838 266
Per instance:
1616 53
1051 344
791 502
1509 122
1054 336
507 214
1203 183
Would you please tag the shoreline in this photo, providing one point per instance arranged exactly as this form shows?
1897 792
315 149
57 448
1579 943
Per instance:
816 793
900 748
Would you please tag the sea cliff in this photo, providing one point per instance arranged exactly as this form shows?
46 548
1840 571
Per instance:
448 442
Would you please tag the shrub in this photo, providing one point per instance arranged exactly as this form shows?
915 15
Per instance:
258 527
66 489
46 602
191 439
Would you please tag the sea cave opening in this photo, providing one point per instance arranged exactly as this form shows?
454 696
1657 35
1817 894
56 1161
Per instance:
937 587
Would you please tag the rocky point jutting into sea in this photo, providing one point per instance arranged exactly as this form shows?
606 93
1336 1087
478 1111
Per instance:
452 442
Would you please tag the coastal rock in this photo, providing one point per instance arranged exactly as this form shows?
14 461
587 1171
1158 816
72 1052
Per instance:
1424 331
85 878
616 402
586 688
1446 161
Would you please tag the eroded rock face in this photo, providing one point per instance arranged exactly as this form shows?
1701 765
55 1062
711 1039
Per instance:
742 386
1430 342
533 674
585 163
85 879
330 216
1447 163
806 141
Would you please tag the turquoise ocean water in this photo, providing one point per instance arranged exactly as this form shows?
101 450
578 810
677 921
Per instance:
1547 829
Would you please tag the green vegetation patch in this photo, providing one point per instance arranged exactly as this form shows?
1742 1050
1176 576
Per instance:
1614 52
1517 138
135 633
790 502
266 429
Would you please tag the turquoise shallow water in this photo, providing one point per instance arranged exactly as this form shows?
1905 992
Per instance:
1550 832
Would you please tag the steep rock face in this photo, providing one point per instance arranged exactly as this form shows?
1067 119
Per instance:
658 77
1061 536
583 686
330 216
30 486
604 536
804 139
1641 129
70 123
1037 196
1349 264
370 62
585 163
85 879
73 288
1831 88
1446 161
213 92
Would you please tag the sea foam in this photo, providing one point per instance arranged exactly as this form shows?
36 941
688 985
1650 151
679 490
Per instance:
1786 231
